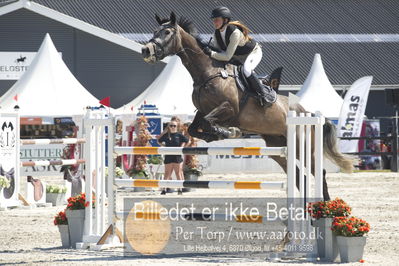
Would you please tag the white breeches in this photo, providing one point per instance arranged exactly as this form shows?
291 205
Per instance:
252 60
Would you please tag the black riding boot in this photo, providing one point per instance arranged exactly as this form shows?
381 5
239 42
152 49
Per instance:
258 87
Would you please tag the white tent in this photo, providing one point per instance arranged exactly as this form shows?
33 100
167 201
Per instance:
170 91
48 88
317 93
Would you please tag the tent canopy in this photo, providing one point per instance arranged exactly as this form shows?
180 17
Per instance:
48 88
170 91
317 93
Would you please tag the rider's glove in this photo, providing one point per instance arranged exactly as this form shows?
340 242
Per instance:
208 51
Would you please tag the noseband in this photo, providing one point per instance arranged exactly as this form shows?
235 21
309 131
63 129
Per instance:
159 50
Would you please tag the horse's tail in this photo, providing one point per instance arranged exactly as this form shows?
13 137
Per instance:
331 151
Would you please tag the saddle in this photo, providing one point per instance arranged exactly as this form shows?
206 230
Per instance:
272 80
37 188
269 95
8 192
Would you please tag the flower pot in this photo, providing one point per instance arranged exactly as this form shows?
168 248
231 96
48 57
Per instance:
327 248
56 199
190 177
64 233
351 248
139 189
76 220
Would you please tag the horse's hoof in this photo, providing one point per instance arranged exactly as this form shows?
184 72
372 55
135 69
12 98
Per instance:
235 132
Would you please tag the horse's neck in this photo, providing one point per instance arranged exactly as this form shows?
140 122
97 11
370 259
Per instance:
198 64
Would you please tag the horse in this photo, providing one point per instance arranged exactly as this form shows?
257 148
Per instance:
217 98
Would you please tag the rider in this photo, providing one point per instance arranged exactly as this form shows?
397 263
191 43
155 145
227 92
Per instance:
231 42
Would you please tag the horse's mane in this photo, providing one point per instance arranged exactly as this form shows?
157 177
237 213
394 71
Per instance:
188 26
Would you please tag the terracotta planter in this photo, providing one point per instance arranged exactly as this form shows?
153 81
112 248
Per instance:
76 220
351 248
327 248
56 199
64 233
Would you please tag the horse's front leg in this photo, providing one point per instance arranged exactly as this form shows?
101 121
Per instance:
223 114
197 129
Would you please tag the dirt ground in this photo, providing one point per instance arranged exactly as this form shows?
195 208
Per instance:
29 236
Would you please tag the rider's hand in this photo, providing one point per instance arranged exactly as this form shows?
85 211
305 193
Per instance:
207 51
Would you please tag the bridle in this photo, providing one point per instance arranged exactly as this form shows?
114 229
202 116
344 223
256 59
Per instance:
159 50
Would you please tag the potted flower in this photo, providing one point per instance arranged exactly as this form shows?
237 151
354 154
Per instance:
323 212
62 222
139 172
118 172
55 194
143 137
75 212
351 239
191 171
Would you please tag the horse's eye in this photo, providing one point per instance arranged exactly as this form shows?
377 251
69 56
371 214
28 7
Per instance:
167 32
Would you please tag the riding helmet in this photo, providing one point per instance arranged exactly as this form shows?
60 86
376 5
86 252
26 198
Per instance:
221 11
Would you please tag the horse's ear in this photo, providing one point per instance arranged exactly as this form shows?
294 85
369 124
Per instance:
159 20
173 18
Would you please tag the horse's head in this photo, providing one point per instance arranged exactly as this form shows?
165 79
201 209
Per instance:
165 41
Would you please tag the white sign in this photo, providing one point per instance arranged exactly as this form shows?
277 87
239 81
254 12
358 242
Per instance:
14 64
40 153
352 112
9 158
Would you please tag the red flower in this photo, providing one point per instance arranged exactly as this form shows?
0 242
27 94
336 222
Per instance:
349 226
78 202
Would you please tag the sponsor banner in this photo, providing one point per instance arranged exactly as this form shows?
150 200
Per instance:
40 153
352 113
14 64
154 125
215 164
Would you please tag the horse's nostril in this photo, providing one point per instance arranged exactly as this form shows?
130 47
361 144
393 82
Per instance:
145 51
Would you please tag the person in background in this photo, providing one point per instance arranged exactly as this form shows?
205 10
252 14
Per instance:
173 163
192 142
173 119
